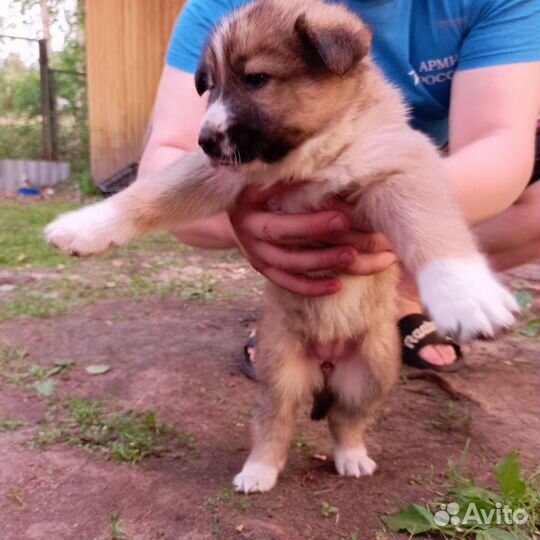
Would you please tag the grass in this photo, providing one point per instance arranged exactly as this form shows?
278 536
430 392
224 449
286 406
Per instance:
470 511
301 444
13 365
120 435
228 496
529 321
33 304
10 424
15 369
92 424
449 419
21 234
57 296
327 510
150 266
116 528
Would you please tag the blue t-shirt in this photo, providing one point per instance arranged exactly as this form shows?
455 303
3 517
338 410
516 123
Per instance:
419 44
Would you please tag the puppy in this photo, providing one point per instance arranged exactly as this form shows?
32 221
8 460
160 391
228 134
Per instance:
294 96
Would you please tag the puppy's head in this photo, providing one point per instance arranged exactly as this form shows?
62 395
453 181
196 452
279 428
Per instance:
277 72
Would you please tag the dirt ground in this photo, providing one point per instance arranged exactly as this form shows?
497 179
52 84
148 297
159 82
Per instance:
177 354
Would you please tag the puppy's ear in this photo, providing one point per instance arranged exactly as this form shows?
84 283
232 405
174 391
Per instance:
337 47
201 78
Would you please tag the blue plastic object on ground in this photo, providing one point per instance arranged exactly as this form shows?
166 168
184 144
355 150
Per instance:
28 191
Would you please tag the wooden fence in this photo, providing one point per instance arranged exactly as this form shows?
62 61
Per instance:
126 45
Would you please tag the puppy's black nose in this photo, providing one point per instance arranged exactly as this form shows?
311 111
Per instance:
210 141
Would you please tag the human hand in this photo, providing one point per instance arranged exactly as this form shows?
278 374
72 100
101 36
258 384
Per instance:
274 244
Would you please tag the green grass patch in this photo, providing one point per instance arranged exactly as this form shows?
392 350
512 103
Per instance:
10 424
58 295
33 304
21 233
21 236
327 510
120 435
116 527
509 511
229 497
16 369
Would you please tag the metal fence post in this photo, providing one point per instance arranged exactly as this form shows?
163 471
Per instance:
50 146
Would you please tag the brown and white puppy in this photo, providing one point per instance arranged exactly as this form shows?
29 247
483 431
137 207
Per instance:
295 96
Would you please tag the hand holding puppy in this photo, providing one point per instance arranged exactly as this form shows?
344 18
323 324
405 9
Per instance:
275 244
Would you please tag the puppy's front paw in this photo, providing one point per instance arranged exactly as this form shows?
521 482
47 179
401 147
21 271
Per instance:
89 231
353 462
256 477
465 299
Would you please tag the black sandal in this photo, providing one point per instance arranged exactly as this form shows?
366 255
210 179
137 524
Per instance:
246 361
417 331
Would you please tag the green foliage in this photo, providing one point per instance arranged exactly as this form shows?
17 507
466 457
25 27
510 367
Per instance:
532 329
228 496
413 518
21 234
20 98
21 140
124 436
300 443
9 424
116 528
85 182
15 369
479 513
33 305
530 326
524 298
327 510
19 90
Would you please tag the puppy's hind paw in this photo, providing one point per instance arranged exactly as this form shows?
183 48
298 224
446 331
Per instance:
89 231
255 477
465 299
353 462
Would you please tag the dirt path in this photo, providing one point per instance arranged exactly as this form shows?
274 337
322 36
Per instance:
178 356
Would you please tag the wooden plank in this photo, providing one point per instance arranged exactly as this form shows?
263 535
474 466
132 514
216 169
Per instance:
126 45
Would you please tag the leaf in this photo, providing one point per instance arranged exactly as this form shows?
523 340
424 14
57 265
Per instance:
495 534
59 366
97 369
413 518
524 298
64 363
508 473
532 329
45 388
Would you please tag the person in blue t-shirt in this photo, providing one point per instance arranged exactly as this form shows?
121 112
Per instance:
470 71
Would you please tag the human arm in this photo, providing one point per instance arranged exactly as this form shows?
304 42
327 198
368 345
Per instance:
177 114
492 132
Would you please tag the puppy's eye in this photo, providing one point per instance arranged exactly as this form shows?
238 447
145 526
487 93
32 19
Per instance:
254 81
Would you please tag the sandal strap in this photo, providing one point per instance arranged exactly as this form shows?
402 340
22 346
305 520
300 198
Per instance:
417 331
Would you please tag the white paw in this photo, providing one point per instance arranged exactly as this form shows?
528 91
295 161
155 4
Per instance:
256 477
353 462
89 231
465 299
